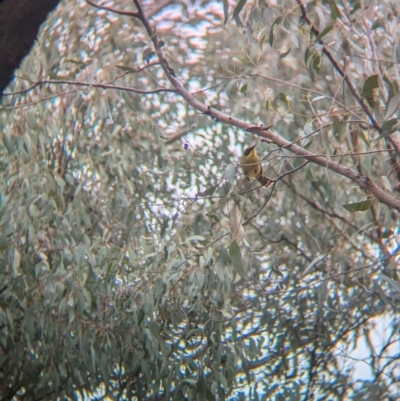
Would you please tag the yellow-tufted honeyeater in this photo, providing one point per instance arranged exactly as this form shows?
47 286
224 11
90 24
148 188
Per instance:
252 166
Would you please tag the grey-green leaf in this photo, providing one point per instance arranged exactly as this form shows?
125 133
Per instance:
235 256
358 206
238 8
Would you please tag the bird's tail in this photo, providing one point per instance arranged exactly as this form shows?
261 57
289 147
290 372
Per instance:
264 181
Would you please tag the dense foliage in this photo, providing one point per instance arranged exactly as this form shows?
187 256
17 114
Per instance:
136 261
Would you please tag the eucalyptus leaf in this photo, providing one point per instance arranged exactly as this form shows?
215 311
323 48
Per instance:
235 257
238 8
358 206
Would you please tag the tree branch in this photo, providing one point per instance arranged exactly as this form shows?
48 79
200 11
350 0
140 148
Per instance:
149 14
111 9
337 67
81 83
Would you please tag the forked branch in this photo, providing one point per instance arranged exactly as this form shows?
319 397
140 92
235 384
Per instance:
360 100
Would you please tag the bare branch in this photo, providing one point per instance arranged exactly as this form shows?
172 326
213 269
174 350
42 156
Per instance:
149 14
87 84
111 9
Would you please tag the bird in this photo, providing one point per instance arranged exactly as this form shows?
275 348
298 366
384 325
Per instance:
252 167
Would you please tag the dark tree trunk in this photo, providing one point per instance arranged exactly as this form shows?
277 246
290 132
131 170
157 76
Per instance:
19 24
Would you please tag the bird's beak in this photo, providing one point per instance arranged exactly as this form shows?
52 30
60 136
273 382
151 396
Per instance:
249 149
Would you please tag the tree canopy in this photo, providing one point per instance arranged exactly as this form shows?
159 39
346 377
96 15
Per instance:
137 261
